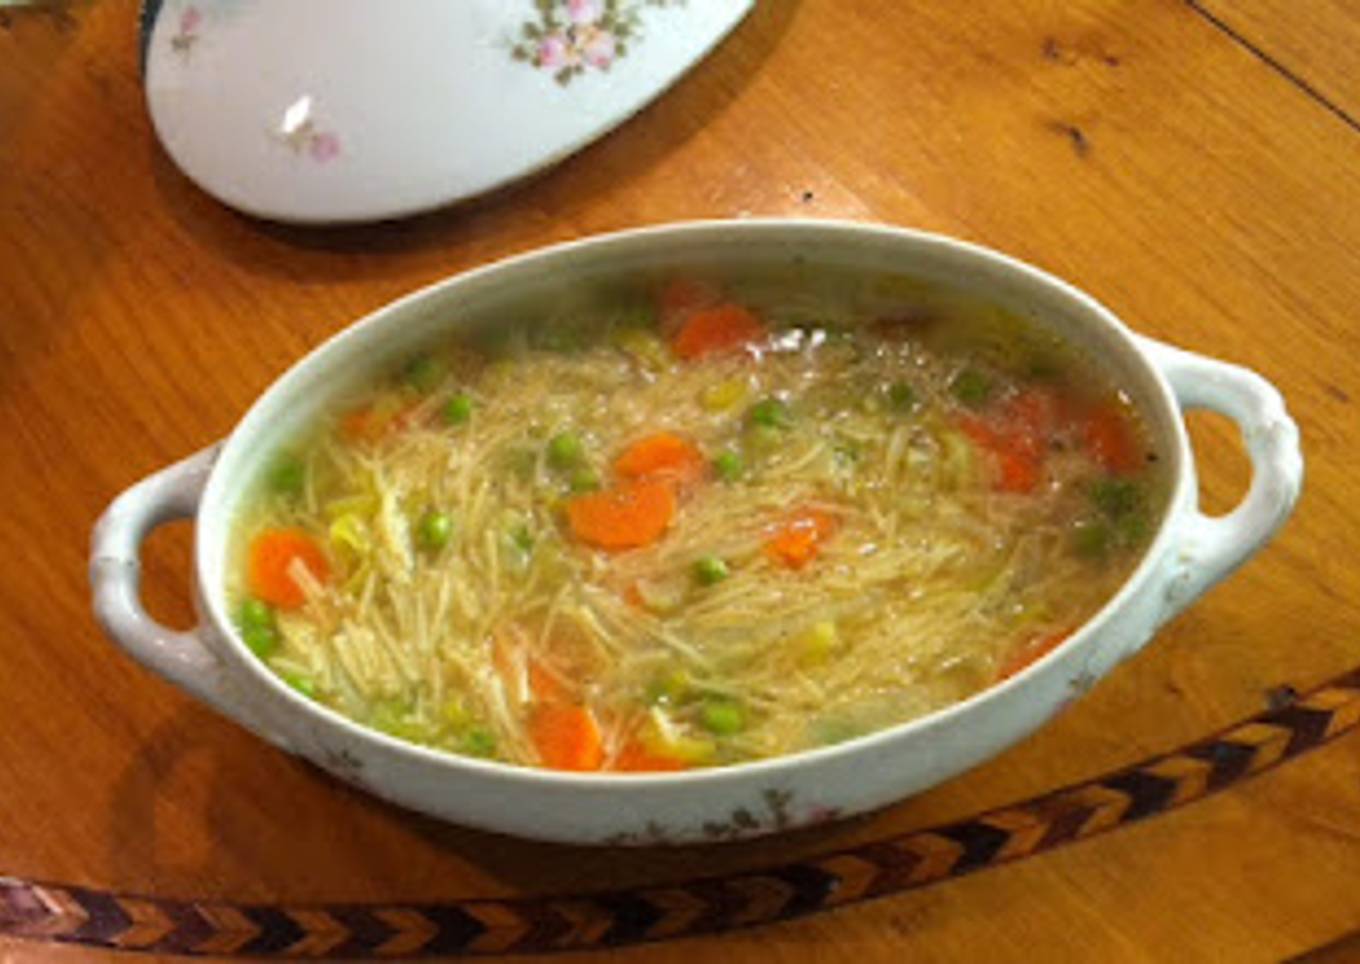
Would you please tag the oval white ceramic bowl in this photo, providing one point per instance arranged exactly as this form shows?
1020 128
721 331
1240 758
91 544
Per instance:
326 111
1189 553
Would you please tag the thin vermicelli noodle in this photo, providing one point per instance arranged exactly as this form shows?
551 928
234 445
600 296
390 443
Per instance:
621 551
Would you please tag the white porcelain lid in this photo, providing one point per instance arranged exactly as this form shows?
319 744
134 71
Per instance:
350 110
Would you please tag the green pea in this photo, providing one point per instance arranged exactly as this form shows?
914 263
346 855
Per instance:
457 410
435 530
303 684
261 640
1090 539
255 613
477 742
287 475
902 397
523 538
584 480
1116 498
566 450
258 629
770 413
972 387
710 570
425 373
723 717
728 466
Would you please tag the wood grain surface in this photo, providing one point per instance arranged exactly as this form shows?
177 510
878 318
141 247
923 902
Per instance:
1134 147
1314 43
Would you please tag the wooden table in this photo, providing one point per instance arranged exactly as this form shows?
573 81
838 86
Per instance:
1195 165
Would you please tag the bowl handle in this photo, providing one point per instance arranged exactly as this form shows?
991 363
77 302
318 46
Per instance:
115 578
1214 546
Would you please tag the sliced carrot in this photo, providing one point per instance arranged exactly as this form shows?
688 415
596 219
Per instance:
1110 439
371 422
798 541
544 686
361 425
1033 416
716 330
793 548
567 737
983 434
1018 454
627 517
636 758
1019 435
1031 653
664 455
272 554
564 733
1020 472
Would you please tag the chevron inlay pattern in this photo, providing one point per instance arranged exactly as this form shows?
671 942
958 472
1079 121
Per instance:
52 912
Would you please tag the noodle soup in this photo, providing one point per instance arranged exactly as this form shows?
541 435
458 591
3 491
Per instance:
695 524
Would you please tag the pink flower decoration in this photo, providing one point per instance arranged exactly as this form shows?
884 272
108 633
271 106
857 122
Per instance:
599 49
553 51
324 147
190 20
583 11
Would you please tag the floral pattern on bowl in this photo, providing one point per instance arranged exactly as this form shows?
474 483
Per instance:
183 40
568 37
300 132
191 17
424 122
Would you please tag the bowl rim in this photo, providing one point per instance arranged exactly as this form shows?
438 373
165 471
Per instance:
211 593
